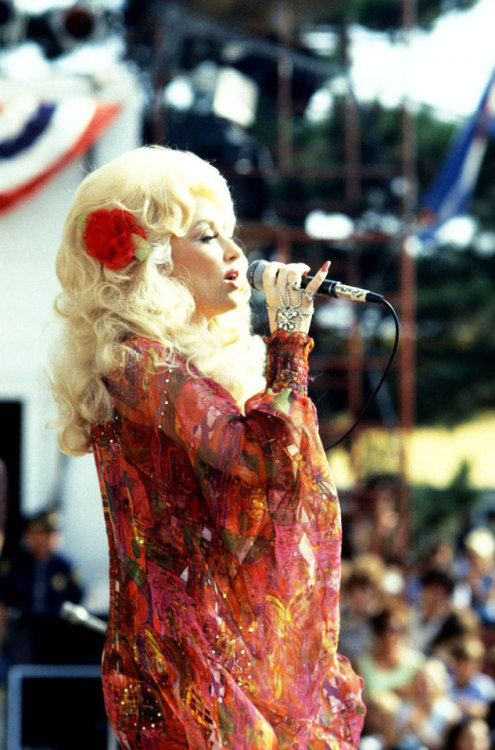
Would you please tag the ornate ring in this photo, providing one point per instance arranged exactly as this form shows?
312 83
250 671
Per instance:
295 286
309 296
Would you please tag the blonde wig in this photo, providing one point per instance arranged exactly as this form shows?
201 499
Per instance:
100 308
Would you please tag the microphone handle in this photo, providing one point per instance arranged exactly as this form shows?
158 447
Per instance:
328 288
344 291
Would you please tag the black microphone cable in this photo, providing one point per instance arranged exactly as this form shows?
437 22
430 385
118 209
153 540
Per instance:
372 397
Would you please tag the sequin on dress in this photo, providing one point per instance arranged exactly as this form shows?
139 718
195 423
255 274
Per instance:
224 536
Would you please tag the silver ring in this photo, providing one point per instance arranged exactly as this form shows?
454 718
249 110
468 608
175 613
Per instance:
309 296
295 286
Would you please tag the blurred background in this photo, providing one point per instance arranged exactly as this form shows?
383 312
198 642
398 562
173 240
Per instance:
357 131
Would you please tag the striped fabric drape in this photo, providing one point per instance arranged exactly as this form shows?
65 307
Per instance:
38 139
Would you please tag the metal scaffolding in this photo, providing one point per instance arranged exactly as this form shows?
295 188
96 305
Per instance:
349 368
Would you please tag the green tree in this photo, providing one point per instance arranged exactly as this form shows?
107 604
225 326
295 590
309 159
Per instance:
456 335
386 15
441 512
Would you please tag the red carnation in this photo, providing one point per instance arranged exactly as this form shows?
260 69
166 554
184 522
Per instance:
108 237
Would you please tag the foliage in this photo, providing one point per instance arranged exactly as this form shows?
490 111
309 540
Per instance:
257 15
484 198
456 335
446 512
386 15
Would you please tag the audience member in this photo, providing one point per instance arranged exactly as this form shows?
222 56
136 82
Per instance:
362 597
476 573
379 732
440 555
376 530
471 689
424 719
34 583
392 660
432 608
459 623
470 733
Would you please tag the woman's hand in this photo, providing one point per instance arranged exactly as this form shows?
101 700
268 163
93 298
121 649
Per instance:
289 306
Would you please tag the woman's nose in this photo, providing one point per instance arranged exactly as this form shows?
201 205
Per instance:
232 250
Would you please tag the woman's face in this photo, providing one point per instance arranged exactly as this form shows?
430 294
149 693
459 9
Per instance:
210 263
394 631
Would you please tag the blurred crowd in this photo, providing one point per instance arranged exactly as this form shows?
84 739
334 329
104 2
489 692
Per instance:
421 635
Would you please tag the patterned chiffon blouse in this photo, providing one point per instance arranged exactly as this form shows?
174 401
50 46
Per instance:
224 536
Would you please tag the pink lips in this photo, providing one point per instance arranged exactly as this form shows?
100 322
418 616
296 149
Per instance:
231 277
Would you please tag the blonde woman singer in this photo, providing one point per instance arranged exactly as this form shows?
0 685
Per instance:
222 518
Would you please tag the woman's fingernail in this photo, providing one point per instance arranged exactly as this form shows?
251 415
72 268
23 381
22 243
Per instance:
326 266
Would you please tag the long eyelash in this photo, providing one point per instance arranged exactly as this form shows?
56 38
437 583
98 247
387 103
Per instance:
208 238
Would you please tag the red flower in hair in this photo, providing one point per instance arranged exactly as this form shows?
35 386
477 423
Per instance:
114 238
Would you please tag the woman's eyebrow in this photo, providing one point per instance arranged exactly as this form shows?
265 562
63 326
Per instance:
212 224
203 221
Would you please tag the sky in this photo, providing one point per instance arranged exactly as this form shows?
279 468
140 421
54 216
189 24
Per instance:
447 69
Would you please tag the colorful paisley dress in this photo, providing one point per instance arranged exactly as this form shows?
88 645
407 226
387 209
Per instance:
224 536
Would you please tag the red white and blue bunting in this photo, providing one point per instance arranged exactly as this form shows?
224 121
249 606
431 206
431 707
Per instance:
38 139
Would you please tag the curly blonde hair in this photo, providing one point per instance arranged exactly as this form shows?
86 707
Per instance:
100 308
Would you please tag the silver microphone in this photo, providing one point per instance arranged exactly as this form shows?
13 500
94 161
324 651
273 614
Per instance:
328 288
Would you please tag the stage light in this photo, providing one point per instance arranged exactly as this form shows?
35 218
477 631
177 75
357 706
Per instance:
236 97
79 24
58 31
458 231
179 94
328 226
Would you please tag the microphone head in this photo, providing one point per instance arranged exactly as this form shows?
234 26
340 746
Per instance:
255 274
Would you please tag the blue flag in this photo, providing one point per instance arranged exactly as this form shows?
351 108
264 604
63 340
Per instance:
451 191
